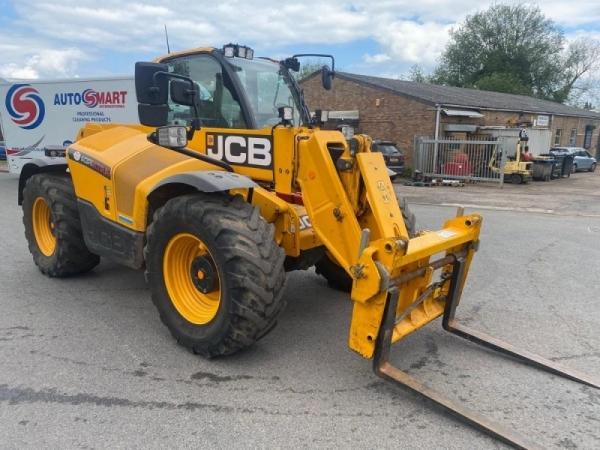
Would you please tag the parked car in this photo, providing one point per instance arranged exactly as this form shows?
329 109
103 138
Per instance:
393 175
582 160
2 151
393 157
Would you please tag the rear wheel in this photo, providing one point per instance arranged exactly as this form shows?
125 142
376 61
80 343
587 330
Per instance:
515 178
574 168
215 272
336 276
52 226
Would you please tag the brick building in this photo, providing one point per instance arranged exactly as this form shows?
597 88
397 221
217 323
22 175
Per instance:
400 111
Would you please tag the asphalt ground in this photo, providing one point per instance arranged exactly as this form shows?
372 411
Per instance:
86 363
578 194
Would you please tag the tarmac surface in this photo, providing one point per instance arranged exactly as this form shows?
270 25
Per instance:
578 194
86 363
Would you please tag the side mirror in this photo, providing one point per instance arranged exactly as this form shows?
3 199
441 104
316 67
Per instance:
151 87
153 115
185 93
326 77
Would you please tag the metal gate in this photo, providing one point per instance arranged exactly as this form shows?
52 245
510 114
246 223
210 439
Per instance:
466 160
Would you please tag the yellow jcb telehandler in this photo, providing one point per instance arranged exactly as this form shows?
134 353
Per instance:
227 185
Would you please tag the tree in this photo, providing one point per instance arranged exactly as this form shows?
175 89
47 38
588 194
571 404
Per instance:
416 74
582 70
511 48
307 67
502 82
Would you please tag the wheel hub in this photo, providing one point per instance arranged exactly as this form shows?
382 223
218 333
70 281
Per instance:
203 274
44 228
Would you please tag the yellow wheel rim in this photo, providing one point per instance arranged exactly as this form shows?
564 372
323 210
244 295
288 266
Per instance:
43 227
182 277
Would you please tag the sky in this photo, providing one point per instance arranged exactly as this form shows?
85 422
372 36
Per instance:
86 38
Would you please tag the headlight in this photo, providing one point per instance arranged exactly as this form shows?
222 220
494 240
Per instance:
171 136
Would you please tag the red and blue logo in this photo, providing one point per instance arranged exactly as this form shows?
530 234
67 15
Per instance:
90 98
25 106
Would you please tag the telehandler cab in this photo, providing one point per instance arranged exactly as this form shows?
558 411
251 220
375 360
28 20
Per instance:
229 184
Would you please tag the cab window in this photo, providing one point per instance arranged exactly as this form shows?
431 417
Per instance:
218 107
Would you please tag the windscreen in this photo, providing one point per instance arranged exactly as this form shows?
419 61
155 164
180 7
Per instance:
268 87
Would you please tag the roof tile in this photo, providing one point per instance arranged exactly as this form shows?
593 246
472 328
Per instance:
467 98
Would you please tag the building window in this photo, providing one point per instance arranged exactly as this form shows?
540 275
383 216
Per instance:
572 138
587 140
557 136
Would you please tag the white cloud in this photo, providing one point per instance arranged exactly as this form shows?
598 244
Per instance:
403 45
33 60
416 43
407 32
376 59
12 70
572 14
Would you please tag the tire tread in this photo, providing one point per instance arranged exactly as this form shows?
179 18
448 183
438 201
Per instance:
253 267
71 255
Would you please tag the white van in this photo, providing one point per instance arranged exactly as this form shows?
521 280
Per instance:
35 114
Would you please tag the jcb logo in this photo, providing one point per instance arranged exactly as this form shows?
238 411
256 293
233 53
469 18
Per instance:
304 222
246 150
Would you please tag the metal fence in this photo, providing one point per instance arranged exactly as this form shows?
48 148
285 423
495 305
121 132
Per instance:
466 160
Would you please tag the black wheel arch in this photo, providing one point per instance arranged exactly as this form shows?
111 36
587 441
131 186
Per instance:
208 181
36 166
190 182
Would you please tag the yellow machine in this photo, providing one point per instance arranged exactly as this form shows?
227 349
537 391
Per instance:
515 170
229 184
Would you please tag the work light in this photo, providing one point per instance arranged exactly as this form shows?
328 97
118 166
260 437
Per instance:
286 113
241 51
173 136
229 51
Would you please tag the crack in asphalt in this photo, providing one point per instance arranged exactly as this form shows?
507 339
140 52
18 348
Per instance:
17 396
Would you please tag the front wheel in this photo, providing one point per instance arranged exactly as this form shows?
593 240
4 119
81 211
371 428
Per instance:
335 274
52 226
592 167
215 272
515 178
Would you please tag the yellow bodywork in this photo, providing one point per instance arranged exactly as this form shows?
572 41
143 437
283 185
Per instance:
514 166
389 252
347 205
137 166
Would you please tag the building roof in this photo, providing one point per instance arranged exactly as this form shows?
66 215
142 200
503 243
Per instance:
447 96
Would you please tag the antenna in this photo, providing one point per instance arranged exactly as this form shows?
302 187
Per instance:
167 36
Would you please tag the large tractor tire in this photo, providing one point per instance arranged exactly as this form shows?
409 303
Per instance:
52 226
215 272
336 276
